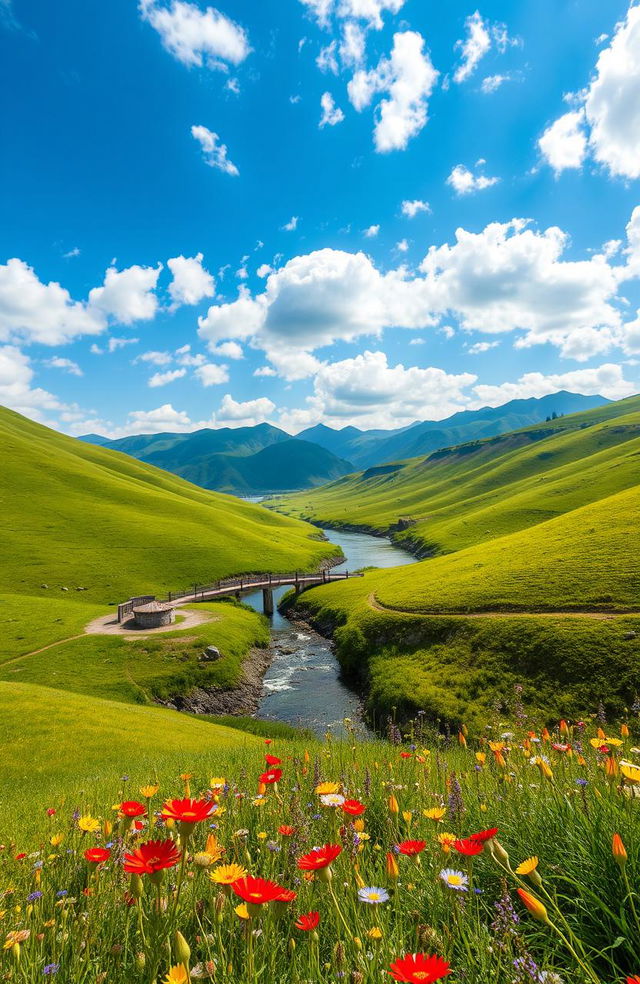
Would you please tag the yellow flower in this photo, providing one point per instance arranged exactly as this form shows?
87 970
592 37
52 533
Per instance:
407 816
261 835
599 742
446 840
375 933
177 975
527 866
148 791
434 813
259 801
326 788
227 874
481 757
17 936
630 771
241 911
393 804
88 824
217 782
358 825
56 840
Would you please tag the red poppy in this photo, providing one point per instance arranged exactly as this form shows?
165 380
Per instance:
21 857
286 831
286 895
484 835
131 808
309 921
257 891
411 848
51 812
634 980
97 855
416 968
272 760
354 808
468 847
268 741
151 857
273 775
187 810
138 825
320 857
405 755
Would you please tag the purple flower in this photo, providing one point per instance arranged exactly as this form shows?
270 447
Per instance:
51 969
34 896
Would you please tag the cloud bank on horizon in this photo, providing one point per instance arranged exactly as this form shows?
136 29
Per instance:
356 213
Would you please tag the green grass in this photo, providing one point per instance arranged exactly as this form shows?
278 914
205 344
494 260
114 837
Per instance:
142 669
74 515
477 492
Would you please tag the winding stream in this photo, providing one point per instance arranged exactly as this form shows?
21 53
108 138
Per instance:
302 686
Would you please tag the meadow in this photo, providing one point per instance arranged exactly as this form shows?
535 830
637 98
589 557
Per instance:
508 856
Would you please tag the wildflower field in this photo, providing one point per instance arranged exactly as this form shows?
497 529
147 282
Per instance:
509 857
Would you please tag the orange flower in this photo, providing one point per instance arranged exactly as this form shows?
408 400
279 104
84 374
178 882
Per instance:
392 867
619 850
534 906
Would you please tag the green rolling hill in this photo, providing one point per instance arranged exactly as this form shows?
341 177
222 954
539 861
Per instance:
532 576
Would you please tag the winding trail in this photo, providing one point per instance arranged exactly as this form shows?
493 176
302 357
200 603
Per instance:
601 616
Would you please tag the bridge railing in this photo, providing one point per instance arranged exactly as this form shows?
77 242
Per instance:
249 581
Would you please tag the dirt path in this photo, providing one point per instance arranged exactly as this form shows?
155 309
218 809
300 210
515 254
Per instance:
602 616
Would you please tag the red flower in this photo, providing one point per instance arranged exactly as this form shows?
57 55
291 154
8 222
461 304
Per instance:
51 812
131 808
405 755
21 857
272 760
354 808
268 741
320 857
310 920
411 848
273 775
187 810
285 830
97 855
151 857
634 980
257 891
468 847
484 835
286 895
416 968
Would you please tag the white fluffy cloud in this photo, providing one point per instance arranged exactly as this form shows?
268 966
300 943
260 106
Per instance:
607 380
32 311
191 282
163 378
412 208
211 374
196 37
564 143
475 46
408 78
214 152
67 364
229 350
371 232
607 123
465 182
247 414
127 295
331 114
370 11
16 392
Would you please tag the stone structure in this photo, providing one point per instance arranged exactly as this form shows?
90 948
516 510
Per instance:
154 615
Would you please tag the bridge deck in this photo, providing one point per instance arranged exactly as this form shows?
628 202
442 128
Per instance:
257 582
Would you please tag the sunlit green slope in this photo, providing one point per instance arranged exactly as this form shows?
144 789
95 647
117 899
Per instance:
73 515
480 491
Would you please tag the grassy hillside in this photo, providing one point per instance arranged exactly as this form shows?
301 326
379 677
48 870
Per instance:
73 515
477 492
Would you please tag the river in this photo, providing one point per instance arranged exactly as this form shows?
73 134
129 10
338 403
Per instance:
302 686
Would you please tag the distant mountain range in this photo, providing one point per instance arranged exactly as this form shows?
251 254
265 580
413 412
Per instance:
260 459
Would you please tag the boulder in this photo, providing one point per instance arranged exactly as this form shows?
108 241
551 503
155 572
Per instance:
210 654
629 635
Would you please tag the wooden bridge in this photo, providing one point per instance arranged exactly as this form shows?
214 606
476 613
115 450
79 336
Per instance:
266 583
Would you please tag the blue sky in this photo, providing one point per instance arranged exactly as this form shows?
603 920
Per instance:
351 211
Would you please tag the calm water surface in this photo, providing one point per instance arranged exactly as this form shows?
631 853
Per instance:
303 686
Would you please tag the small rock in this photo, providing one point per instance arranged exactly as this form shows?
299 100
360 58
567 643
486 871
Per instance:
45 587
64 589
210 654
629 635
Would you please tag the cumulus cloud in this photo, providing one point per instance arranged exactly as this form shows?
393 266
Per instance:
291 225
412 208
67 364
564 143
465 182
371 232
478 347
214 152
163 378
196 37
237 414
331 114
229 350
127 295
155 358
475 46
607 123
408 78
607 380
33 311
370 11
16 391
191 282
211 374
163 418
